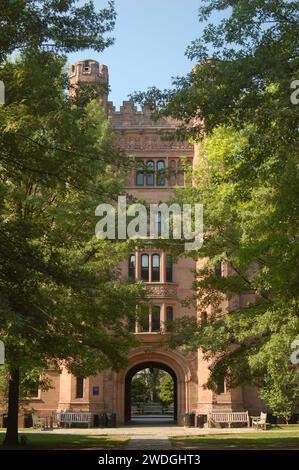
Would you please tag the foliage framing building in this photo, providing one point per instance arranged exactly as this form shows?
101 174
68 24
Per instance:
109 391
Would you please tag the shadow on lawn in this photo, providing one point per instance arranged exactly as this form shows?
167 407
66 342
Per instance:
66 442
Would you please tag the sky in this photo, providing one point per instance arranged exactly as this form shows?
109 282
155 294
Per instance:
151 37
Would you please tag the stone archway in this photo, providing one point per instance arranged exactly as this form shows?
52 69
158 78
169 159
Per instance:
173 361
128 381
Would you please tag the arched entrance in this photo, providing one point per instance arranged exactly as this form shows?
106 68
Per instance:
148 365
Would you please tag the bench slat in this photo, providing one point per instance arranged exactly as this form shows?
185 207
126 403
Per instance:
229 417
74 417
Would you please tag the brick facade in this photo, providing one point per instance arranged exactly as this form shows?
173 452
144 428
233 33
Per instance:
140 136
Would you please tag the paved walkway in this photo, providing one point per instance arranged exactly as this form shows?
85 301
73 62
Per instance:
155 432
153 437
149 437
147 442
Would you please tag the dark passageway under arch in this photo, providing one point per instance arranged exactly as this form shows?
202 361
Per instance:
128 404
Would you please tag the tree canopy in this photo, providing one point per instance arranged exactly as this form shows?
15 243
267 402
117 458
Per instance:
61 295
236 105
62 25
63 301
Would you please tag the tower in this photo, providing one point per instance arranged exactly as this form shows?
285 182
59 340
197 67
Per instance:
91 73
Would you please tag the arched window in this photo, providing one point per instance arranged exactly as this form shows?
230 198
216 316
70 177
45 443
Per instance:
150 173
132 267
140 173
218 269
79 387
221 385
144 268
144 325
160 173
169 274
172 173
155 324
180 174
169 316
204 318
33 391
156 268
158 224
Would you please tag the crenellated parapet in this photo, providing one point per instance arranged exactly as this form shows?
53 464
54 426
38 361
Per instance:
137 131
129 116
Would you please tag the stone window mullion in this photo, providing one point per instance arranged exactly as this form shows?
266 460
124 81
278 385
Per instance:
150 268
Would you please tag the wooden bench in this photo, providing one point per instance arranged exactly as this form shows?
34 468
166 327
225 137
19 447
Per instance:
43 422
68 418
228 417
260 421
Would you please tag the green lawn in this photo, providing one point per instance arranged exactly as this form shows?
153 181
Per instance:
71 441
260 440
284 427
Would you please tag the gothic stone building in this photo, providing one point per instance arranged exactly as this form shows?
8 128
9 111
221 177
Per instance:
169 284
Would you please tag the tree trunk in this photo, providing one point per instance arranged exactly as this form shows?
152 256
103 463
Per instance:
11 437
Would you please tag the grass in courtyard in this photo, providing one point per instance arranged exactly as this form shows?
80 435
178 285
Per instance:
285 427
260 440
70 441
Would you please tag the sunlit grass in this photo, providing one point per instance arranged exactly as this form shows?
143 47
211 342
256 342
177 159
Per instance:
262 439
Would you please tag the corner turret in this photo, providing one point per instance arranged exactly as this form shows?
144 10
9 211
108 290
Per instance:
89 72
